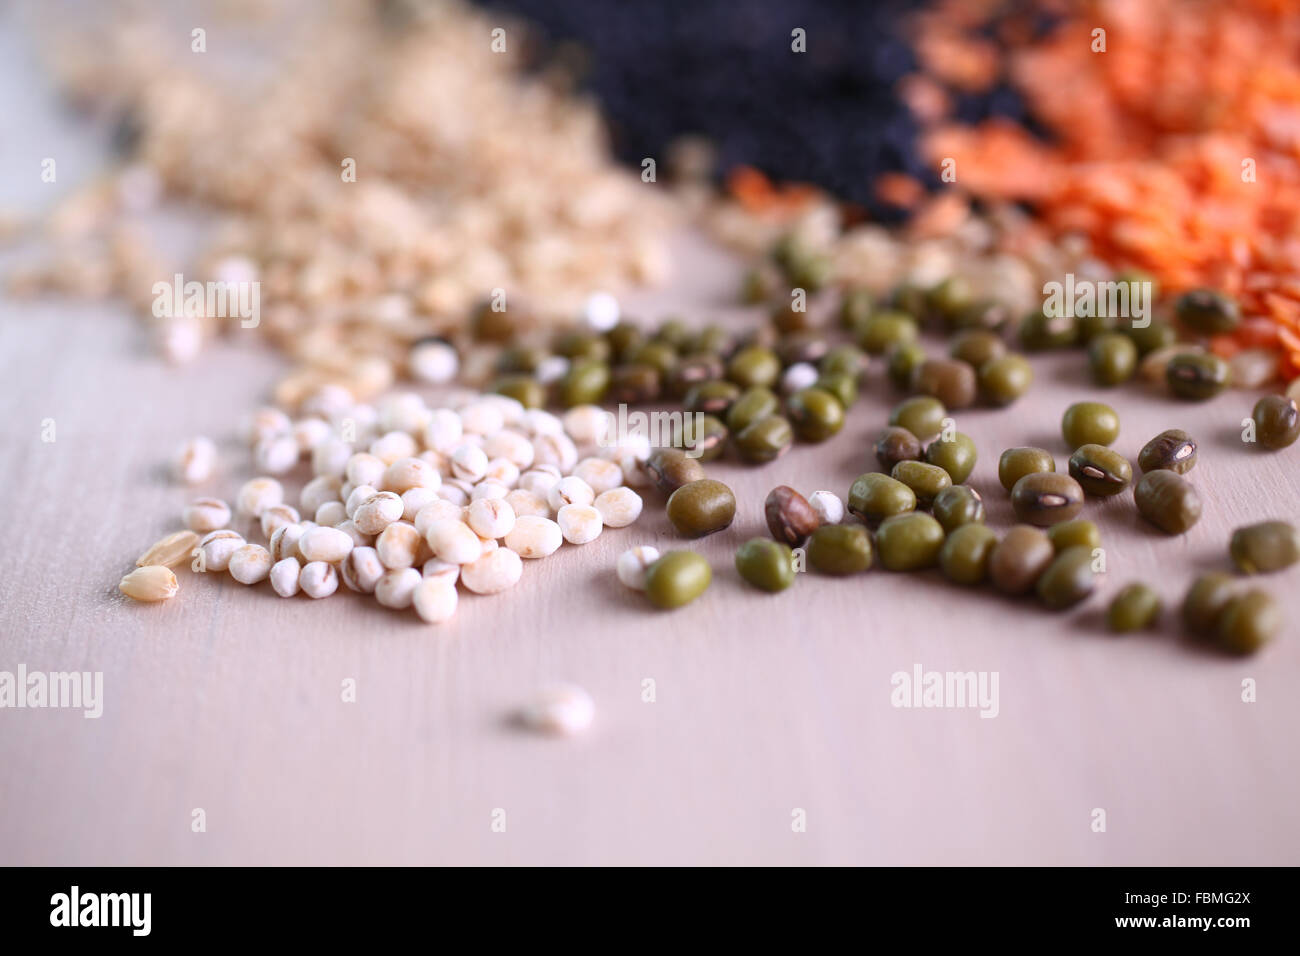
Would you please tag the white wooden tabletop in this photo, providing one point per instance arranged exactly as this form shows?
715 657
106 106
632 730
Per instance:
771 737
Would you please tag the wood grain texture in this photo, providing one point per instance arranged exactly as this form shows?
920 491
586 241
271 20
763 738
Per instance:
228 698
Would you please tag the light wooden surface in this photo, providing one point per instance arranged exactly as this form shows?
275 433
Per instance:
228 698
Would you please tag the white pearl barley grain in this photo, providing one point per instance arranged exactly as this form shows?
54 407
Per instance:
325 544
284 577
362 570
580 524
454 541
633 564
534 537
397 587
435 600
570 491
563 710
318 579
493 572
250 564
618 507
206 514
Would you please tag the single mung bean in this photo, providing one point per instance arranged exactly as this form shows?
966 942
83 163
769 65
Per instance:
977 347
956 455
903 360
701 507
1156 334
1100 471
882 330
765 440
670 468
704 436
1207 312
801 348
1078 533
766 564
984 314
840 384
1003 380
1265 547
1040 332
1172 450
856 307
950 380
957 505
658 355
524 389
815 414
1018 560
874 497
1068 580
585 383
949 298
840 549
925 480
1112 358
1044 498
909 542
790 518
843 360
1197 377
711 398
755 403
695 370
897 444
634 384
922 415
1168 501
677 578
964 557
1015 463
1277 421
1089 423
1205 600
1248 622
1135 608
579 344
153 582
754 366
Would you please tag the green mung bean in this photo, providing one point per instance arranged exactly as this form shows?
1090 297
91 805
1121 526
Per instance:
1172 450
1067 580
1112 358
815 414
766 564
1248 622
885 329
1044 498
1016 561
1196 376
712 398
754 366
1135 608
764 440
977 347
922 415
1277 421
957 505
1207 312
1003 380
677 578
903 361
840 549
950 380
1089 423
955 455
1205 600
1015 463
1100 471
1265 547
1079 532
964 557
925 480
754 403
1168 501
874 496
909 542
701 507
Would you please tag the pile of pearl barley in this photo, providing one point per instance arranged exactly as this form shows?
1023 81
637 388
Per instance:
471 175
418 501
